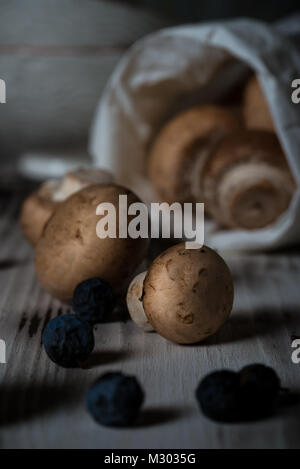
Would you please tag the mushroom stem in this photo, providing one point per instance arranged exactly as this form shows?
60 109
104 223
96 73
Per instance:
253 195
247 181
134 301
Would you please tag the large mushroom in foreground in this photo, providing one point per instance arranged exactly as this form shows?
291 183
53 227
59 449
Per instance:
70 251
187 294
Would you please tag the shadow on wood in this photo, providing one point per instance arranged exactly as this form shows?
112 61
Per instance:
159 415
23 401
105 358
244 325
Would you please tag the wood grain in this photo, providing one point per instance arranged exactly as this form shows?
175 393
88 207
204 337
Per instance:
42 405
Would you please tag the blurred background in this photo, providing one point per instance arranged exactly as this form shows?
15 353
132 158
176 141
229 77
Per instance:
56 57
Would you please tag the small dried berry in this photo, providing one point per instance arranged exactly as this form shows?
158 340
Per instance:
226 396
115 399
68 340
93 300
218 396
259 388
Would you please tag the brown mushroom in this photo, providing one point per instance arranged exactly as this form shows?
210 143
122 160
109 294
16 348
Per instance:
76 180
181 148
37 209
256 109
39 206
247 181
70 251
187 293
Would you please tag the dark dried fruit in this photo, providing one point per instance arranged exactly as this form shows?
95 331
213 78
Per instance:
93 300
115 399
218 396
259 388
68 340
226 396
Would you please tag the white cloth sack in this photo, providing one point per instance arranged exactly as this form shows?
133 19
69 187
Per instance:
187 65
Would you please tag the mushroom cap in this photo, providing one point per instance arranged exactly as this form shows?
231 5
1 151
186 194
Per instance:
69 250
188 293
134 300
36 211
39 206
182 146
256 110
74 181
247 182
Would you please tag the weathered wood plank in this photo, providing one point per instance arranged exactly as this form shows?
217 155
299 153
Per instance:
42 405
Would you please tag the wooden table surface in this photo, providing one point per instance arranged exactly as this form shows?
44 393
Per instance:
43 405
